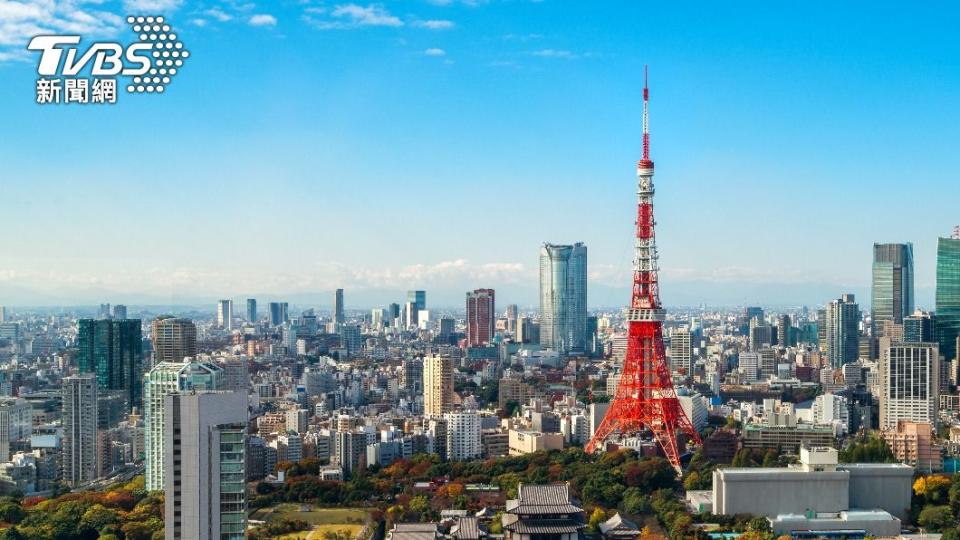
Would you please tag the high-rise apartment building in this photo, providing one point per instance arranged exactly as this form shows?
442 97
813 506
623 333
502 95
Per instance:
251 310
892 289
910 383
113 350
481 317
680 350
119 311
563 297
437 385
463 436
843 330
205 490
16 424
513 313
225 314
173 339
164 379
338 306
948 294
79 454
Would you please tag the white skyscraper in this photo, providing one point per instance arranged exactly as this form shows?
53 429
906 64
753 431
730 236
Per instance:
910 383
831 409
563 297
164 379
680 350
750 366
225 314
205 489
79 456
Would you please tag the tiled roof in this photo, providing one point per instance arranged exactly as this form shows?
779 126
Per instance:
545 526
413 531
542 499
466 529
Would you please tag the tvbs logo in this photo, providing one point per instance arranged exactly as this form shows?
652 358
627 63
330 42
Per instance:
150 63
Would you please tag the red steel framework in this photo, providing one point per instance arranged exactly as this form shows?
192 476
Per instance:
645 398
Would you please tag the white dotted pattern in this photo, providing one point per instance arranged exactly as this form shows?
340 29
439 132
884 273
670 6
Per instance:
168 52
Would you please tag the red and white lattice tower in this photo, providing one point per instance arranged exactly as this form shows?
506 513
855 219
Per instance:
645 398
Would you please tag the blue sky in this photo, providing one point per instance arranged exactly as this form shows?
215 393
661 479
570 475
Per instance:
436 144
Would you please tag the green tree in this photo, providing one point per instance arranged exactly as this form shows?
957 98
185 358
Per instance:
692 481
936 518
770 459
11 512
596 518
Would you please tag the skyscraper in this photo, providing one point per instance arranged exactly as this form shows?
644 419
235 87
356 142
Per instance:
680 351
119 311
393 313
842 330
164 379
416 302
251 310
437 385
512 314
113 350
278 313
481 315
225 314
892 289
338 306
919 327
3 314
79 456
173 339
948 294
205 490
563 297
910 383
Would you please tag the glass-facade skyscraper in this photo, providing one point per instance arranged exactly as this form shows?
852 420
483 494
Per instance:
112 350
948 295
892 282
842 331
563 297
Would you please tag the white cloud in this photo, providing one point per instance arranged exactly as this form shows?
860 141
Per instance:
435 24
555 53
198 22
433 51
263 20
21 20
371 15
219 14
151 5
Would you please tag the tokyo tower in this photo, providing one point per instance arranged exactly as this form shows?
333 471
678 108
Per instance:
645 398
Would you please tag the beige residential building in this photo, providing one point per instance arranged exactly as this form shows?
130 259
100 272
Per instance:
437 385
526 442
912 443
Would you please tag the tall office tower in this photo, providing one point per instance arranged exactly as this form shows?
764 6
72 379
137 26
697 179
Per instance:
16 424
79 456
378 317
350 338
411 377
278 313
119 311
527 330
251 310
910 383
437 385
481 317
164 379
892 288
843 325
104 312
113 350
512 313
761 335
446 329
173 339
463 436
563 297
393 313
749 313
338 306
225 314
749 366
645 398
948 294
593 341
416 302
680 350
919 327
3 314
822 329
786 336
205 492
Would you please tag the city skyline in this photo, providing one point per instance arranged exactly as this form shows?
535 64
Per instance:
261 151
